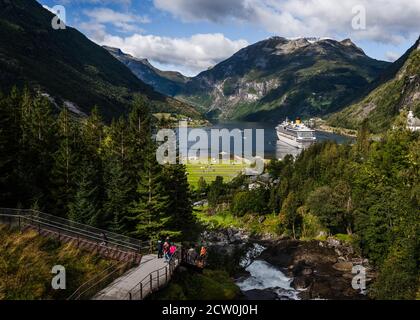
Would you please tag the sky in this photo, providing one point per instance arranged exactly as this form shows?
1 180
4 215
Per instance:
190 36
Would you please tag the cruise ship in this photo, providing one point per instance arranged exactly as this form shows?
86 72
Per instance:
296 134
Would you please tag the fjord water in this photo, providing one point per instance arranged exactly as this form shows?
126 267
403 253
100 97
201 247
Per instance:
272 147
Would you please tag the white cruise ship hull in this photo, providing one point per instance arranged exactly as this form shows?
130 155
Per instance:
291 141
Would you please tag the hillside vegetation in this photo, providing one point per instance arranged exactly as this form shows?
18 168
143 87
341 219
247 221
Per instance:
277 77
26 260
68 66
105 176
400 90
367 193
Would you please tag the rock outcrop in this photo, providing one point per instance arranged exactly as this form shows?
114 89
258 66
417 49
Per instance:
319 269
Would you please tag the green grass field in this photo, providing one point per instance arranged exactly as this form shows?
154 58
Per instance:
210 171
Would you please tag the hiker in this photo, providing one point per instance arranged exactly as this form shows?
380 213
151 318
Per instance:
166 247
160 249
168 241
192 255
172 250
104 239
203 253
201 260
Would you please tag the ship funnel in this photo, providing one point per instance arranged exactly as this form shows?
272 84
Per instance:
298 121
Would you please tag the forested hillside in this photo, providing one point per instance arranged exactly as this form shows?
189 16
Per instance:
367 193
397 90
67 66
104 176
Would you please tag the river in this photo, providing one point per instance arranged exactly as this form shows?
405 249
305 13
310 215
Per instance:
272 147
264 281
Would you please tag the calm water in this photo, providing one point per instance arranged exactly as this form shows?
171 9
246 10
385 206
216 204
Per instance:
272 147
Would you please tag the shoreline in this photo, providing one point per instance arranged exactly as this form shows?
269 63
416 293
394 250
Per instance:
350 133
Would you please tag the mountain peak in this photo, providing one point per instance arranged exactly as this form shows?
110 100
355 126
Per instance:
348 42
113 50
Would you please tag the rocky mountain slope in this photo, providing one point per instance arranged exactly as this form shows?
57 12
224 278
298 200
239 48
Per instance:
278 77
66 65
397 90
166 82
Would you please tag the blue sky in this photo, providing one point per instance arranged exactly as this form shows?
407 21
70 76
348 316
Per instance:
192 35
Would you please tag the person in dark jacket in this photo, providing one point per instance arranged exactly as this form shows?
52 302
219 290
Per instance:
160 249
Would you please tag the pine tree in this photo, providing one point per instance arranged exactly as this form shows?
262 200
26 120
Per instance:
138 136
180 206
85 207
92 150
93 132
116 141
9 148
216 191
66 159
116 205
150 210
202 187
37 147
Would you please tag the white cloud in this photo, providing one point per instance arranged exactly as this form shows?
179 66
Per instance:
388 21
102 2
392 56
123 22
194 54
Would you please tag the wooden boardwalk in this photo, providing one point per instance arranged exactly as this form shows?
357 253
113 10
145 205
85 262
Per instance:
150 276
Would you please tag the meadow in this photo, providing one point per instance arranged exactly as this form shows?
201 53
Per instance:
210 171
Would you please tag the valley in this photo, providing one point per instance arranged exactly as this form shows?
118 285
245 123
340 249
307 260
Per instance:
94 157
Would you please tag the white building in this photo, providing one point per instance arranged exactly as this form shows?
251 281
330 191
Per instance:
413 123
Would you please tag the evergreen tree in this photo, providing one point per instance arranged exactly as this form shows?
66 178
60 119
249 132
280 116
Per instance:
9 148
37 147
138 138
216 191
85 207
149 212
65 166
202 187
117 200
93 133
116 141
179 200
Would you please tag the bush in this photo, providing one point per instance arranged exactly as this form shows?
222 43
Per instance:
210 285
311 226
399 276
255 201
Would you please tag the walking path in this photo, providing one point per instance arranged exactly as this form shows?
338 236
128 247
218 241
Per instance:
149 276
